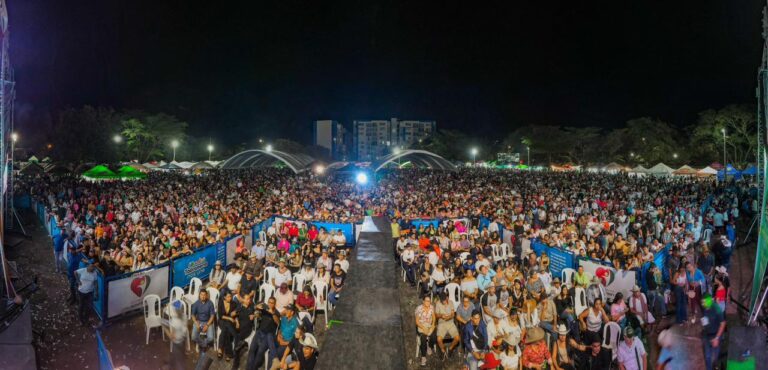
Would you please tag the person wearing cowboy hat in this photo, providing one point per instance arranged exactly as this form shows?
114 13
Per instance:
562 351
307 357
595 290
271 255
216 277
631 353
535 353
638 305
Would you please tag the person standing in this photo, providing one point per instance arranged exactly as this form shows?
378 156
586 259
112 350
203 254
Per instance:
72 266
177 333
265 335
425 327
713 327
87 279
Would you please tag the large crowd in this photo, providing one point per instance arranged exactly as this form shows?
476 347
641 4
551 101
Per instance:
512 311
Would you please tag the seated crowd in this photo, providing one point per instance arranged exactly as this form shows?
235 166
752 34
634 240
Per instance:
508 308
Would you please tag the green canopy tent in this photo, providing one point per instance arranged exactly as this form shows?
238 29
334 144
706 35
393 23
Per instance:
100 172
130 173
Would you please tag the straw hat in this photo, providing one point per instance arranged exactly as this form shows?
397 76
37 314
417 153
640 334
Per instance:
534 335
309 341
562 330
635 288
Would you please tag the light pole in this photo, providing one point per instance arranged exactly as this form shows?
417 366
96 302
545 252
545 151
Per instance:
474 155
528 149
174 145
210 151
14 138
725 162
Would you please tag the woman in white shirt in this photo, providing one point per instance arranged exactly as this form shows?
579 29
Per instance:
216 277
322 276
233 277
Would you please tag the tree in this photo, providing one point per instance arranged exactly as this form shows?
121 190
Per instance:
149 137
650 140
449 144
740 125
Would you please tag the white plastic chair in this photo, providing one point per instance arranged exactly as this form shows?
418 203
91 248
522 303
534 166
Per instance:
611 333
152 314
298 283
463 256
193 292
266 291
504 251
496 253
213 295
567 276
269 273
320 291
454 294
263 236
177 293
580 301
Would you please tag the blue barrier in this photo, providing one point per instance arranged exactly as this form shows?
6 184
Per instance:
559 258
105 359
22 201
196 265
261 226
418 223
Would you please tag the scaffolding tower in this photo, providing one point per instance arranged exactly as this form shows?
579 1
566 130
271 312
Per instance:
7 95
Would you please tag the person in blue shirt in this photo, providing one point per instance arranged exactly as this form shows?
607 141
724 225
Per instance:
73 263
58 250
203 314
287 331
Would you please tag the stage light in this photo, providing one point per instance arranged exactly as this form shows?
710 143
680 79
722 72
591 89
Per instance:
319 169
362 178
269 147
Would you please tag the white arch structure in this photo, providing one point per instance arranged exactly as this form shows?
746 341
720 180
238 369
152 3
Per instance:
264 158
421 158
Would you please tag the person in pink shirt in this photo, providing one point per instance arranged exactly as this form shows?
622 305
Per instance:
284 245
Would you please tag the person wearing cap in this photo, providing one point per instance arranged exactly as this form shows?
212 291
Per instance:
713 327
631 353
253 263
475 340
284 297
535 353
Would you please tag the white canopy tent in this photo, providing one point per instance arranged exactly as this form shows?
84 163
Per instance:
613 167
661 169
707 171
638 171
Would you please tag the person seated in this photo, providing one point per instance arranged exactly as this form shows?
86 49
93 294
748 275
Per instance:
446 327
595 290
284 297
305 301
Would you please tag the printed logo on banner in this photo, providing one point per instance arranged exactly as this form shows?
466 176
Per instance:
194 268
605 275
139 285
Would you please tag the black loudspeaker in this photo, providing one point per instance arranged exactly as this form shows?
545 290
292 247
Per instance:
204 362
746 346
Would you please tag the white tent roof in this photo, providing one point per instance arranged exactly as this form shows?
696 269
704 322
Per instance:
684 167
613 166
661 169
708 171
639 169
185 165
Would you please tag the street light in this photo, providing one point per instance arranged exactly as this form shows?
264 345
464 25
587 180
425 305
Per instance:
725 163
14 137
174 145
117 139
269 147
674 155
474 155
210 151
528 149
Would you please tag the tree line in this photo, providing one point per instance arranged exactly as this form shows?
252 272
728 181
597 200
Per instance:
100 134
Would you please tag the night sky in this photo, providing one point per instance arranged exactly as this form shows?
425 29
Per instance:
240 71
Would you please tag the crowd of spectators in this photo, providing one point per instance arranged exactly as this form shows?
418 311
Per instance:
509 309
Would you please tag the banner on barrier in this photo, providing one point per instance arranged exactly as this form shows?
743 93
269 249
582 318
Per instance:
126 293
559 260
232 247
347 229
197 265
613 280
